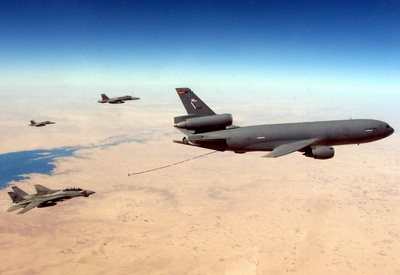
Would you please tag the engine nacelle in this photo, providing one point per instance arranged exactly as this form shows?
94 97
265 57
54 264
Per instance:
320 152
206 122
47 204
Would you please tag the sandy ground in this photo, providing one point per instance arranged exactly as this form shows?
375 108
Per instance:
222 213
219 214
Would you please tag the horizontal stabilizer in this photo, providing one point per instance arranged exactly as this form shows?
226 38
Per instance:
31 206
184 143
205 138
289 148
192 144
15 207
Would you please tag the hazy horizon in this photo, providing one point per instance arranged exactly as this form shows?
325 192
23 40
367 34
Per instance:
263 62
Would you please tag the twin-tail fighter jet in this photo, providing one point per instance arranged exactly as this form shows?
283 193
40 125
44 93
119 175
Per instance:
44 197
206 129
40 124
116 100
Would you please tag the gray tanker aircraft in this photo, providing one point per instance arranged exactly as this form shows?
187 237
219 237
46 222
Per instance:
206 129
40 124
44 197
116 100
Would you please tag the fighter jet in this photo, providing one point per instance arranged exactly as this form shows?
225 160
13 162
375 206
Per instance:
116 100
40 124
206 129
44 197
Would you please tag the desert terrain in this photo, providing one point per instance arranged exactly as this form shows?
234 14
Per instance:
220 213
162 208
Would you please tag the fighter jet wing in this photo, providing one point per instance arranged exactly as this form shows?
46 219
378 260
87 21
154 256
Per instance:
40 189
289 148
32 205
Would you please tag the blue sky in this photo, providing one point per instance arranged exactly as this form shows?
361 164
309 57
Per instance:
322 46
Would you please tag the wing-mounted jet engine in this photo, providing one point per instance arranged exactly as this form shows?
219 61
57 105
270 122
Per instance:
319 152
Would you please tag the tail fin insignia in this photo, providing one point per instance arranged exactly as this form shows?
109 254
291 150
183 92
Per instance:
193 104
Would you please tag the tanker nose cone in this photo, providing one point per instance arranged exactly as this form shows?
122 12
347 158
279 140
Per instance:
389 130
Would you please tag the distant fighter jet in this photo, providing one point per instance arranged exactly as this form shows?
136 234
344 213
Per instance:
206 129
40 124
44 197
116 100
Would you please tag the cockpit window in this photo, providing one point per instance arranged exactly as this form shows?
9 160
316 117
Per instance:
371 129
73 189
387 126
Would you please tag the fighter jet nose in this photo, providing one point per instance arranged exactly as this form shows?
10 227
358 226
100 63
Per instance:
87 193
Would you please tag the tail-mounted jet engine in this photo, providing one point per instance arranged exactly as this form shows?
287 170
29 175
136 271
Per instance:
319 152
206 122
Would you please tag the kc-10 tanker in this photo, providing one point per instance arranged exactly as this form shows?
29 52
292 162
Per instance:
204 128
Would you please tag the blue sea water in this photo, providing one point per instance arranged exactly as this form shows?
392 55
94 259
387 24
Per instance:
14 165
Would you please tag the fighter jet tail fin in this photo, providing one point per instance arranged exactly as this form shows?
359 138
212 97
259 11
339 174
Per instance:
104 97
19 192
40 189
32 122
14 197
193 104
